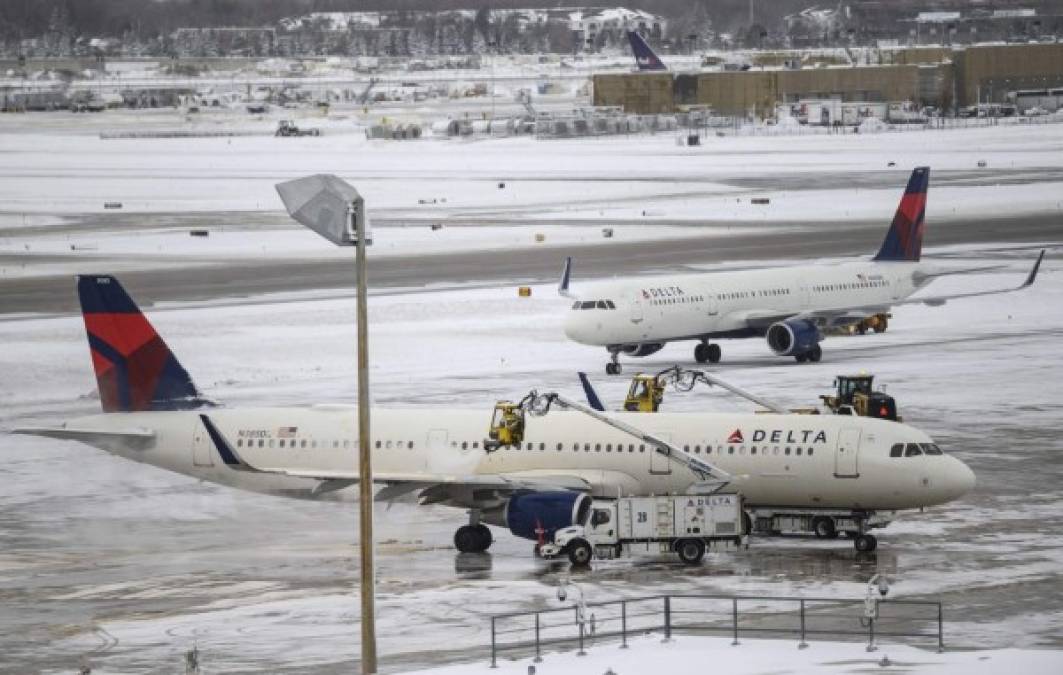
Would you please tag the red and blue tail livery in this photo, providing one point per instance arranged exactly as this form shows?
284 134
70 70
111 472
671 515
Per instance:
645 58
904 241
135 370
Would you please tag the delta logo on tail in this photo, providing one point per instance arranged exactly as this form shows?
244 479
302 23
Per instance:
135 370
645 58
904 241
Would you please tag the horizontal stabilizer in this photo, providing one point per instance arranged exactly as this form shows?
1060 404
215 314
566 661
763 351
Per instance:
133 438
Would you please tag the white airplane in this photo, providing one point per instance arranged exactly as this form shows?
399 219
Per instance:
154 414
789 306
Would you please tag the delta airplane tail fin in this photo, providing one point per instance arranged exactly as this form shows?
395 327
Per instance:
904 241
645 57
135 370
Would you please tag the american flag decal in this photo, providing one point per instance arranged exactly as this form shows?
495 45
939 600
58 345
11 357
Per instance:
287 432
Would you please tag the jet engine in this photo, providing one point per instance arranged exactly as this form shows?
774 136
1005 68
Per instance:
793 336
535 515
643 349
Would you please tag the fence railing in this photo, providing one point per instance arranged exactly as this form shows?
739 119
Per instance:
576 626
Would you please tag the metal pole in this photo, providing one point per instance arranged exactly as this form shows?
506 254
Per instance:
871 635
802 644
538 653
623 624
581 652
494 661
734 619
941 631
667 618
365 468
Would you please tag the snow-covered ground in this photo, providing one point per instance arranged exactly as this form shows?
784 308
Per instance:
125 567
697 655
259 582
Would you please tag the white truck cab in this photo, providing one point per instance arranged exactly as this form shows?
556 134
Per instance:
683 524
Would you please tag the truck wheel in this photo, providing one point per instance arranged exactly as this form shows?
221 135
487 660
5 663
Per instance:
690 551
882 325
823 527
865 543
579 552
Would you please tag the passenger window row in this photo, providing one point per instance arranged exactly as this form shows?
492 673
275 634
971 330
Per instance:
593 304
685 299
845 287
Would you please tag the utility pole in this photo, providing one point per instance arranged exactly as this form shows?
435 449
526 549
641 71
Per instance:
334 209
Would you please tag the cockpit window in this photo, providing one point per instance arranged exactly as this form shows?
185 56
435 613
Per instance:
609 304
897 450
594 304
912 450
587 304
931 448
576 304
602 305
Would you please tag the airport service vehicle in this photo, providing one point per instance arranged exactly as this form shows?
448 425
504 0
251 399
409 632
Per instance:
856 395
153 413
683 524
790 307
289 128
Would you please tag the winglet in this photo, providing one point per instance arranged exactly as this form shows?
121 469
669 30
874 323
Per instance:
566 274
1033 272
228 455
590 393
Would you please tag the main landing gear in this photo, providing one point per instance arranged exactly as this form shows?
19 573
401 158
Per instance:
812 355
474 537
707 353
613 367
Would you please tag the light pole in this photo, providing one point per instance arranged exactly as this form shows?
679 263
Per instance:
334 209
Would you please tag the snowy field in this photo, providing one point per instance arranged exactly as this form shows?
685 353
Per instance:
124 567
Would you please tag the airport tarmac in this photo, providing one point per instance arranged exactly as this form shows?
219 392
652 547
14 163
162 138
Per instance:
124 567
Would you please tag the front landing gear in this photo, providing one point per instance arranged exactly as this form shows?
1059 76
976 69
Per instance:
707 353
613 367
472 538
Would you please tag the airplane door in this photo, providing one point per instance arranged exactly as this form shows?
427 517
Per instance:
659 464
636 307
846 458
436 444
202 448
713 308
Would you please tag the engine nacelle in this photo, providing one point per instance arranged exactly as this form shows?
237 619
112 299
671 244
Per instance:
535 515
643 349
793 336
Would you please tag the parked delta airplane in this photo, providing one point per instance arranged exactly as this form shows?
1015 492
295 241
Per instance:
789 306
154 414
645 57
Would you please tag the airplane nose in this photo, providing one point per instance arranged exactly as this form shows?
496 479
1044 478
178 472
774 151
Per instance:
961 479
575 328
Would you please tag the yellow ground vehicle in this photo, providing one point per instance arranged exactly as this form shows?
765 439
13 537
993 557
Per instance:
507 426
645 394
855 395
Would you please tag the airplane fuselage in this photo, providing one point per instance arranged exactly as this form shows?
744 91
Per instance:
658 309
813 461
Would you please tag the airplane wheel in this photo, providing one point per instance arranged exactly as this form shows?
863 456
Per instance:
865 543
823 527
691 551
467 539
715 353
801 358
580 552
612 369
701 352
484 533
815 354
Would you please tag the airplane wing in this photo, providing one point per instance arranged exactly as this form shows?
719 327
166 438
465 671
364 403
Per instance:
435 487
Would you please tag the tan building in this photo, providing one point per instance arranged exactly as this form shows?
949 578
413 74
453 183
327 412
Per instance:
939 76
